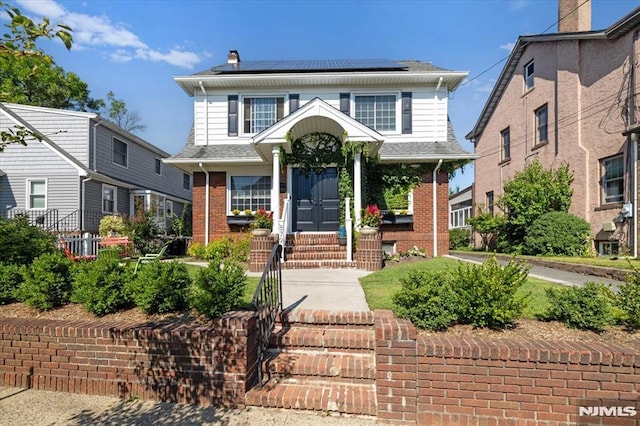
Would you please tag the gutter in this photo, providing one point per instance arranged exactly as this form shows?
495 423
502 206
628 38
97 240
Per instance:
206 205
435 208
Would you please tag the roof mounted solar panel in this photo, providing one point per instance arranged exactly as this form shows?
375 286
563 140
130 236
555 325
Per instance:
250 67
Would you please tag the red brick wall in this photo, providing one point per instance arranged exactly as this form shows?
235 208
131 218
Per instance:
439 380
420 233
206 365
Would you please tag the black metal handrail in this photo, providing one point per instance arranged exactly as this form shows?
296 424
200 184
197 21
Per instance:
42 218
267 302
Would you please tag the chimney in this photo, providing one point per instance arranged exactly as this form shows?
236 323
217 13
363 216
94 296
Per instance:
233 57
574 16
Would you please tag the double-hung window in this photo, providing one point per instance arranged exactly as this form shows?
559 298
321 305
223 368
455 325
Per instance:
250 193
376 111
37 194
109 195
120 152
613 179
158 166
261 113
528 76
505 142
542 115
490 202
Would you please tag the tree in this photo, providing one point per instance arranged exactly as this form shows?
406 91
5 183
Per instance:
118 112
488 226
20 42
531 193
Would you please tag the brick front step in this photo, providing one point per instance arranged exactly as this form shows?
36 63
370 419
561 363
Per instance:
316 396
320 255
306 365
320 247
318 264
320 338
324 317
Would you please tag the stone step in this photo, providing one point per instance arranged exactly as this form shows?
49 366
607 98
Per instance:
319 264
286 338
321 396
309 365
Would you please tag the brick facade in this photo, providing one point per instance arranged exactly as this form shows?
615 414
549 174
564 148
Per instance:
369 254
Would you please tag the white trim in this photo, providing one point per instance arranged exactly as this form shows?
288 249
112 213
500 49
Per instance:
115 198
275 188
242 173
113 139
168 203
28 192
242 97
398 95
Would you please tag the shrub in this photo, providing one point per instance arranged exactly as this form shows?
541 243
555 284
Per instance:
111 224
459 238
196 250
487 292
160 287
144 233
427 299
47 282
100 286
587 308
240 248
20 242
218 249
628 301
558 234
218 288
10 279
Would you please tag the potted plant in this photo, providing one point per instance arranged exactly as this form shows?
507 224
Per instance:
371 219
263 222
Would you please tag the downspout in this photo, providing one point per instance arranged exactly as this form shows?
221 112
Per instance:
206 205
634 139
439 84
83 201
95 144
435 208
206 113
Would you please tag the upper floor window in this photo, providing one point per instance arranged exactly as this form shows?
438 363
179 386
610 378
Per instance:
376 112
158 166
613 179
109 194
541 125
37 193
261 113
186 181
528 76
250 193
505 142
120 152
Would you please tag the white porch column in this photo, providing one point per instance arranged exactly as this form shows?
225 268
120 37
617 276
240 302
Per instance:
275 187
357 188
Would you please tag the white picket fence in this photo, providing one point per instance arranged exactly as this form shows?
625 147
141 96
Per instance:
81 245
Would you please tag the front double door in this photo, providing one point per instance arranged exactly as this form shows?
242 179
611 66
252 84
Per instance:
316 201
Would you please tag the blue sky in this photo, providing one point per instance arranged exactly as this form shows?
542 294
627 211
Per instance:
136 47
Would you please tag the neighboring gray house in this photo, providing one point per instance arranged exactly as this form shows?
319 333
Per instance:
84 168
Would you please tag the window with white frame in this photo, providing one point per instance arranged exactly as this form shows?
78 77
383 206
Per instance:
158 166
250 193
120 152
109 198
542 134
261 113
607 248
169 205
186 181
528 76
613 179
505 142
36 194
376 111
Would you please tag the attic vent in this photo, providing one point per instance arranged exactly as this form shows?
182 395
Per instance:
233 57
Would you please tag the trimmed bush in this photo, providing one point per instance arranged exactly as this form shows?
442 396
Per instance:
100 286
240 248
558 234
21 243
459 238
47 282
487 293
218 249
218 288
10 279
196 250
628 301
160 287
427 299
587 308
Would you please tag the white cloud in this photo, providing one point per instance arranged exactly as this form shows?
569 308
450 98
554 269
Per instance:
518 4
121 44
508 46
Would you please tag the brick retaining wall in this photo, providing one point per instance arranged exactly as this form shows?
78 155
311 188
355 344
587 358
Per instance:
205 365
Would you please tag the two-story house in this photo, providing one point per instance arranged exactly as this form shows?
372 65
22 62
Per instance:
84 168
249 114
569 97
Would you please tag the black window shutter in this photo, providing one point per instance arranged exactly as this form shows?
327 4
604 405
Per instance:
345 103
233 115
294 103
406 113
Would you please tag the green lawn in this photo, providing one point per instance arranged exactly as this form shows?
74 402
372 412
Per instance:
380 286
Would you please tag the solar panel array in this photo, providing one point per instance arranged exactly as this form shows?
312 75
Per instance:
310 66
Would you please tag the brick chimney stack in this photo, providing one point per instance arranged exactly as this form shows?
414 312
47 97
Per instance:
574 16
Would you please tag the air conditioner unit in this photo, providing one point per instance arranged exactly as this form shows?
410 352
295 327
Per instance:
627 210
608 226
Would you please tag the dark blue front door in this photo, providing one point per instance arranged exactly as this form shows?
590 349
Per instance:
316 202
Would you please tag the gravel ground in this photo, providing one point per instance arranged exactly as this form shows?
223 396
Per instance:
22 407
